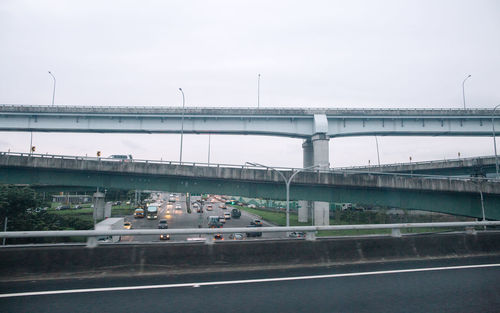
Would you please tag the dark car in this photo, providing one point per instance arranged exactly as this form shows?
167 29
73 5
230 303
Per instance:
254 234
165 237
163 224
218 237
235 213
63 207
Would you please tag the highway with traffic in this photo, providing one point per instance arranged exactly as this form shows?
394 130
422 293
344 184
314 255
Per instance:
468 284
172 207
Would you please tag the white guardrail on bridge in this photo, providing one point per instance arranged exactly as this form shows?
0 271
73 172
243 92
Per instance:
309 230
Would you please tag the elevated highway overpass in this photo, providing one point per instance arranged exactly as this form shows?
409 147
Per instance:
476 166
315 125
459 196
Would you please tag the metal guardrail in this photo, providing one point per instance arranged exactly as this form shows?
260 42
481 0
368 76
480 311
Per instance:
222 165
415 164
310 230
253 109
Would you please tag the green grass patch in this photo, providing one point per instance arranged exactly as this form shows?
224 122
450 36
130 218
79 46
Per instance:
279 218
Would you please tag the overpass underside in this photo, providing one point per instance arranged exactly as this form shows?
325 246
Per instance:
410 193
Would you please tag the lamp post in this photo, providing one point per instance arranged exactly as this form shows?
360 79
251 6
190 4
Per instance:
182 123
54 90
258 91
463 88
494 139
378 154
209 135
287 183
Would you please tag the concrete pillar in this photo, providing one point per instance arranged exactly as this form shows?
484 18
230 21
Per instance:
321 155
321 213
303 211
98 201
107 209
308 159
307 148
322 158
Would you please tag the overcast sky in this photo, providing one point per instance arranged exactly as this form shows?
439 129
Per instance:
335 54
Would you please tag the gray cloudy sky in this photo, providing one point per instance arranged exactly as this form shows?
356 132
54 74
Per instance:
334 54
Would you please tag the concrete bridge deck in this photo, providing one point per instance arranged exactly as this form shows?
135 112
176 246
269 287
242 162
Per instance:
459 196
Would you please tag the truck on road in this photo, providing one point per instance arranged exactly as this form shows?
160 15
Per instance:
112 223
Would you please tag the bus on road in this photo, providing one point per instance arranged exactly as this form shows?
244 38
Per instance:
152 212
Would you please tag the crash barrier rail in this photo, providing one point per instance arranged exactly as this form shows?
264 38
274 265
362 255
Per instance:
310 231
371 171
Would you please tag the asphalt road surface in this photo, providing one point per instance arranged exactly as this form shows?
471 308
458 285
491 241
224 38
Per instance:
180 218
450 285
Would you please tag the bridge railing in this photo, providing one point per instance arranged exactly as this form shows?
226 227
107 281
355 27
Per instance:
310 231
341 171
415 164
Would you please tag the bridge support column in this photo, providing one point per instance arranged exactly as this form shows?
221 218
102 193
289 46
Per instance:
321 213
321 155
322 158
316 152
308 160
98 201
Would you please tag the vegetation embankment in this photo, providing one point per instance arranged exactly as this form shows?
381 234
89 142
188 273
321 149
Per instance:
355 218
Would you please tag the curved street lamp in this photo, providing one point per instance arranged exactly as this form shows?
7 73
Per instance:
287 183
54 91
182 123
463 88
494 138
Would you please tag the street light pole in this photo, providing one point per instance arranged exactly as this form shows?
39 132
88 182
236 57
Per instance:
463 88
182 123
494 138
378 154
287 183
54 91
209 149
258 91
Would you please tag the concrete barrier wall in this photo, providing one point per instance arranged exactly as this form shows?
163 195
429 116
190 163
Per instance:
54 261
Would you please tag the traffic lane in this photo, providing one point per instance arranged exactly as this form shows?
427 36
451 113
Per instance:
455 290
245 273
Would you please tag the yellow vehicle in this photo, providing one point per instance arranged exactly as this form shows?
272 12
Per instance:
139 213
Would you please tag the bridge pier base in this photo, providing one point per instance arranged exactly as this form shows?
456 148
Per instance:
321 213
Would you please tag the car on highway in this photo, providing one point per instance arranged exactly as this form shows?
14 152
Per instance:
237 236
127 225
121 157
178 206
223 206
162 224
252 233
297 234
222 219
227 215
209 207
235 213
218 237
63 207
256 222
213 222
165 237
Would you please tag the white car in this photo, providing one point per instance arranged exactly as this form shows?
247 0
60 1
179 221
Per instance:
227 215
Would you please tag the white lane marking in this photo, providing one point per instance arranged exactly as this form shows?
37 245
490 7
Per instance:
247 281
